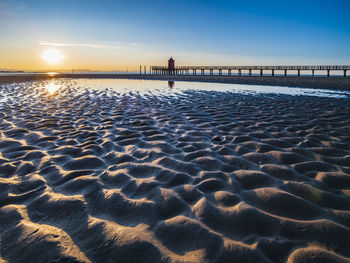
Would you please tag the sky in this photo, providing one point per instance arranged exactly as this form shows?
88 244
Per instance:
108 35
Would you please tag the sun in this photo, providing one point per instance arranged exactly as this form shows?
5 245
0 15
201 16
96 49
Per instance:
52 56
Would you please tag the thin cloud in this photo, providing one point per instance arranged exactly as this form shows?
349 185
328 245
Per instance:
136 44
161 45
88 45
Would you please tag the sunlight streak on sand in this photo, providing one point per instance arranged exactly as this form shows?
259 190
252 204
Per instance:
52 88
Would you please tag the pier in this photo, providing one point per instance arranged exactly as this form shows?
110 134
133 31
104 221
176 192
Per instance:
238 70
261 70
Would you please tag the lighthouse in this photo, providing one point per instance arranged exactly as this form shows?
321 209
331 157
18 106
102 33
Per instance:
171 65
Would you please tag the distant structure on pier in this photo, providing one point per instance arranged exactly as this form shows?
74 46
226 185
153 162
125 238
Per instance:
171 65
258 70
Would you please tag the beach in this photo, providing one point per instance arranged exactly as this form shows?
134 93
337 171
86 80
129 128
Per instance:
89 173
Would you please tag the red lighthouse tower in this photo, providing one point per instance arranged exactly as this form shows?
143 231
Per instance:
171 65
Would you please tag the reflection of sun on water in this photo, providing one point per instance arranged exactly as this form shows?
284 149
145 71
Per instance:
51 74
52 88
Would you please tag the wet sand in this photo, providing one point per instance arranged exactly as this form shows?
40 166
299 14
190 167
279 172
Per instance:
192 176
319 82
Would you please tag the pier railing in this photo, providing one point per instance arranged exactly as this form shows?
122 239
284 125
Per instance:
185 70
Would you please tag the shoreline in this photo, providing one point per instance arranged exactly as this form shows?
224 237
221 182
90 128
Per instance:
321 82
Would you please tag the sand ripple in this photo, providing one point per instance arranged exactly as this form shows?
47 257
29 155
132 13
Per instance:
194 176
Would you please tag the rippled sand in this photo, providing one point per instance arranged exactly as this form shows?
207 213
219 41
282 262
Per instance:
123 175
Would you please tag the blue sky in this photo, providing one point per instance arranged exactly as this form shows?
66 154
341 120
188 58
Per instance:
123 34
